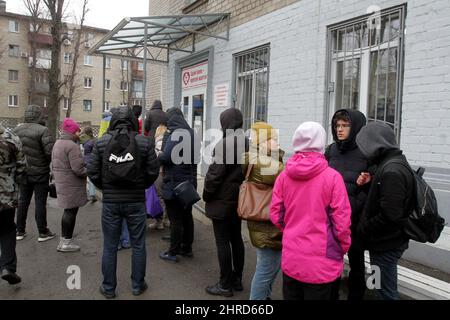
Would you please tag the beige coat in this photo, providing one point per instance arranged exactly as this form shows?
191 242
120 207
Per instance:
69 172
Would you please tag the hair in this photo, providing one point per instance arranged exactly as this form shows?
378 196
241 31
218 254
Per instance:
160 130
341 115
88 131
137 110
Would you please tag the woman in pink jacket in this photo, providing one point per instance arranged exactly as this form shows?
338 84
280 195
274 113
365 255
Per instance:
311 207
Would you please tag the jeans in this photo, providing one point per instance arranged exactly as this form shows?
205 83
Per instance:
68 222
8 257
268 263
230 249
357 276
91 188
40 199
181 227
387 262
112 216
297 290
125 235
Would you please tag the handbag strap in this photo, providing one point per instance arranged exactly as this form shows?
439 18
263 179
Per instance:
249 170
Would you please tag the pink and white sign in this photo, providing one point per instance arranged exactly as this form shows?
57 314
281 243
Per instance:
194 76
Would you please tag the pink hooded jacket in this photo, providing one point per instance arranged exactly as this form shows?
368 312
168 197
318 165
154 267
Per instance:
311 207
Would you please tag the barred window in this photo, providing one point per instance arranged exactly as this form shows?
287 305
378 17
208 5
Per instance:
365 66
251 84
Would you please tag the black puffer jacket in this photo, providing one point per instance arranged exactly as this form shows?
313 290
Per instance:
222 181
155 117
391 193
346 158
37 144
121 119
184 167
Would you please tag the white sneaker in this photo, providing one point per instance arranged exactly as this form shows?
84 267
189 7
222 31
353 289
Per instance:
158 225
67 245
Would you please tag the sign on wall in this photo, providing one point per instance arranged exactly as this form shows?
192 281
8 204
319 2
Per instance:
194 76
221 92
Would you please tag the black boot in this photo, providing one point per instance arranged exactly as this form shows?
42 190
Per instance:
11 277
236 282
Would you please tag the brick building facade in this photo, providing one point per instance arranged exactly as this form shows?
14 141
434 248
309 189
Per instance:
292 61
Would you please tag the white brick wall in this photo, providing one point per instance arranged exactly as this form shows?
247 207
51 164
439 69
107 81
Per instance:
297 36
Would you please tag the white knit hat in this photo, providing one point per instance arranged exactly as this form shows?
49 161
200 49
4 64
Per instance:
309 137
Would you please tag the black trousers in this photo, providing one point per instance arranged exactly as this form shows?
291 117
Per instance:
40 199
68 222
230 249
357 276
181 227
297 290
8 257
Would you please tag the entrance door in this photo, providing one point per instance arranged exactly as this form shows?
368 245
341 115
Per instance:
193 107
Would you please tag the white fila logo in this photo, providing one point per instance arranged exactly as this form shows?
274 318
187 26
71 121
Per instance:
128 157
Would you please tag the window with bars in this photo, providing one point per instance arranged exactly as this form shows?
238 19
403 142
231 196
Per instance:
251 84
365 66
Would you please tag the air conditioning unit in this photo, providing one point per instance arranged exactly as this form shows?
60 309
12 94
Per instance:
67 42
24 54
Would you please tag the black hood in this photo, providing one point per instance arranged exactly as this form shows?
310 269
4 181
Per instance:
176 119
231 119
123 117
157 105
34 114
376 140
357 120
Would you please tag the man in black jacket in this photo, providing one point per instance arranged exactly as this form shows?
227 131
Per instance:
37 146
345 157
177 171
155 117
388 204
123 199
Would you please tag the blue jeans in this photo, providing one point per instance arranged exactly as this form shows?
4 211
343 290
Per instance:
268 263
125 235
387 262
112 216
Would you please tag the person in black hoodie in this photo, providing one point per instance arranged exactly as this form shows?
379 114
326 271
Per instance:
122 198
220 193
388 204
155 117
175 172
345 157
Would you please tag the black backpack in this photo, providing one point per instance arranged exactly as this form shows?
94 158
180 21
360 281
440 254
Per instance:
424 224
121 159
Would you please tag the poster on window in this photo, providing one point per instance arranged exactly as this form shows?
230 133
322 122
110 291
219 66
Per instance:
195 76
221 92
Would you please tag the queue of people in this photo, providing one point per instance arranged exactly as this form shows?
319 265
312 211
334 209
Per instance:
325 201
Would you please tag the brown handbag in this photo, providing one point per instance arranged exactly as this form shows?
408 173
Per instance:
254 199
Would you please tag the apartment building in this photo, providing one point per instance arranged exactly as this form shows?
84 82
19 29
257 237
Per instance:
290 61
123 78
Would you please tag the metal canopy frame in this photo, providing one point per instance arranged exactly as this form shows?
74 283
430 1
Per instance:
133 38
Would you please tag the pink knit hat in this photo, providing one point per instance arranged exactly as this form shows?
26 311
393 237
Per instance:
70 126
309 137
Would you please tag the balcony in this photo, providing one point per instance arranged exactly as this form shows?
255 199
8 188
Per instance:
41 87
40 63
40 38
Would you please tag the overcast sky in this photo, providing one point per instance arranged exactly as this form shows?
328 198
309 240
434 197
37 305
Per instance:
102 13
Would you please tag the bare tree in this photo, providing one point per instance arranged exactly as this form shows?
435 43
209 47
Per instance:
36 13
55 9
71 83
